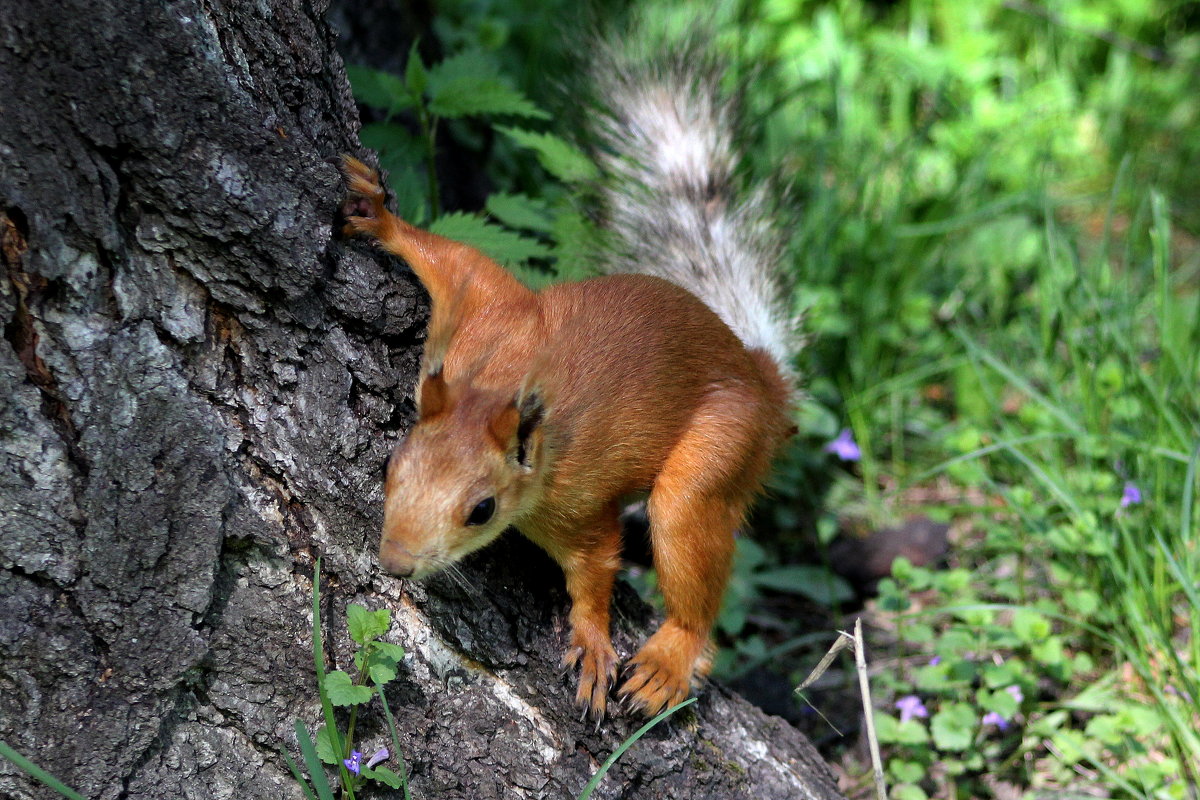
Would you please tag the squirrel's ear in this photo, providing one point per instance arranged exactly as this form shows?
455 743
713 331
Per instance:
531 413
432 394
517 428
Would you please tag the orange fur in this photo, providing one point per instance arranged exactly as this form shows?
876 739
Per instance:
555 405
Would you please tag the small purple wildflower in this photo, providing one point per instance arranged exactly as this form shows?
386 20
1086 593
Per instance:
1131 496
844 446
933 662
1016 692
911 706
380 755
354 762
993 718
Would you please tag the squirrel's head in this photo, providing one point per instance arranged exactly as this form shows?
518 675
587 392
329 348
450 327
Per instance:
467 470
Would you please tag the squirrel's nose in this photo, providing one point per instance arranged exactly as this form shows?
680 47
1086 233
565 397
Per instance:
396 559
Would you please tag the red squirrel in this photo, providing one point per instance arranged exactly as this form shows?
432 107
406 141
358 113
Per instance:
543 410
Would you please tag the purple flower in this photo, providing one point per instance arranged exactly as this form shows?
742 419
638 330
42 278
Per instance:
933 662
354 762
1016 692
911 706
380 755
1131 496
993 718
844 446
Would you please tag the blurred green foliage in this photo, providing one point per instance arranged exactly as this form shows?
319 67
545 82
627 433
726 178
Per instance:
993 217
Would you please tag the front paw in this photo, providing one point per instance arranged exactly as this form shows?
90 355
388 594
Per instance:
597 663
661 673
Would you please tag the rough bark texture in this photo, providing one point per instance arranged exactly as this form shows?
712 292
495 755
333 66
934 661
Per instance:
198 384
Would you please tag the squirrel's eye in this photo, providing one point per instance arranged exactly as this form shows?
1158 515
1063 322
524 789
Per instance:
482 512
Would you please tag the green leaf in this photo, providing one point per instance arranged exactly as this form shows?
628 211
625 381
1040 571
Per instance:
395 139
326 748
505 246
469 83
953 727
382 671
383 775
906 771
343 692
393 651
378 89
815 583
561 159
521 211
367 625
416 77
1030 626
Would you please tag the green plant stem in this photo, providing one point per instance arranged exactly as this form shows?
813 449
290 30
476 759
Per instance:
319 665
387 712
429 126
361 680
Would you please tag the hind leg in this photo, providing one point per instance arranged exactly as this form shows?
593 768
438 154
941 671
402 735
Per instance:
698 500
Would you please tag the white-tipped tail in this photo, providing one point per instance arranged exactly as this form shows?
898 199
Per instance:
672 203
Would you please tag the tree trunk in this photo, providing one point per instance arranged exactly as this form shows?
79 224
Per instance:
200 383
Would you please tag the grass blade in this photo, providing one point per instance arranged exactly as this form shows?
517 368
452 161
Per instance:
335 736
37 773
297 774
316 770
625 745
395 742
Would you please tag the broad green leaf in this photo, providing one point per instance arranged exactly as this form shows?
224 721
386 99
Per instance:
954 726
521 211
505 246
393 651
326 749
393 138
416 76
469 83
367 625
560 158
383 775
343 692
379 89
476 96
382 671
815 583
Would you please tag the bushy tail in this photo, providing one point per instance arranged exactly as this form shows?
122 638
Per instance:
672 204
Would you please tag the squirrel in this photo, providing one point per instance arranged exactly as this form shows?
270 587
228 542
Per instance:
543 410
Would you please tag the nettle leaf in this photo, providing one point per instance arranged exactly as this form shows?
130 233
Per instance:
392 137
560 158
326 749
469 83
953 727
383 775
367 625
379 89
521 211
815 583
505 246
416 76
343 692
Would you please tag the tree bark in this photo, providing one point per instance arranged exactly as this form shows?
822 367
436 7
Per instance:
199 383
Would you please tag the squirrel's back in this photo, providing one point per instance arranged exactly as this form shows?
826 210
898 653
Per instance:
672 205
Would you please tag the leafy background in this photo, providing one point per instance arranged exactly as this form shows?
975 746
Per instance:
992 213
